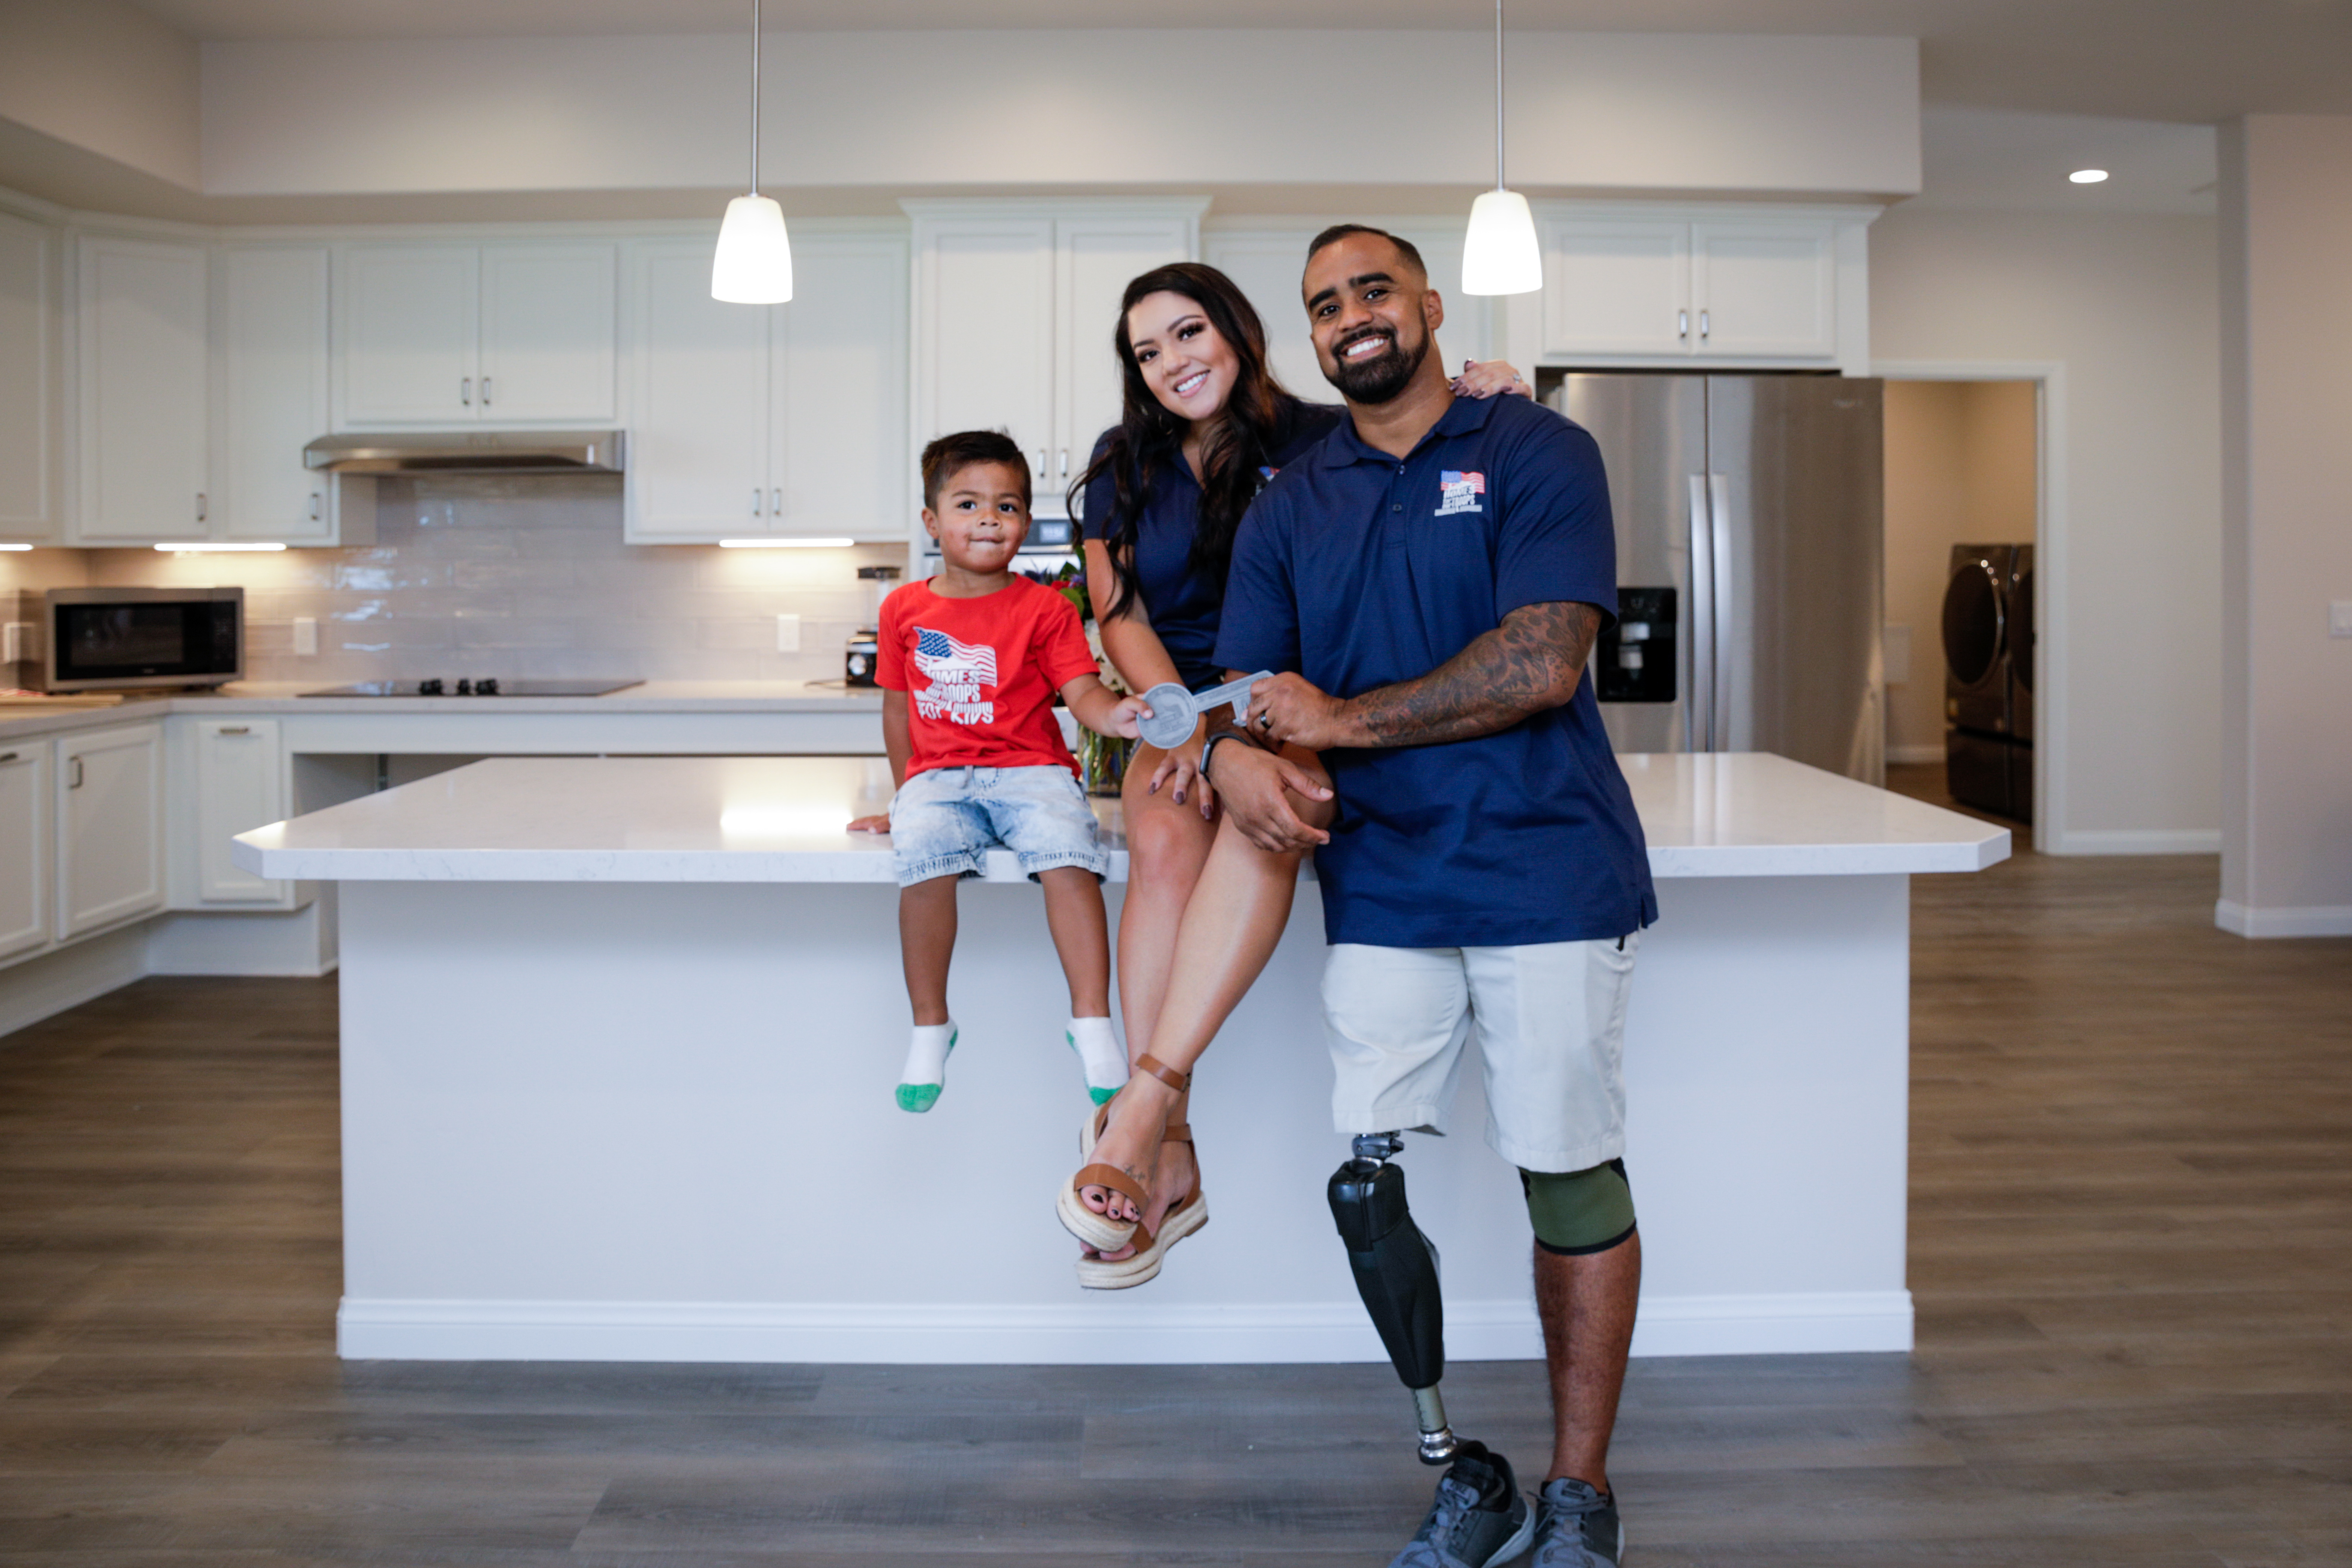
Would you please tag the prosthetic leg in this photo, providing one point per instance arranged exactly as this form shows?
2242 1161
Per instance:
1396 1273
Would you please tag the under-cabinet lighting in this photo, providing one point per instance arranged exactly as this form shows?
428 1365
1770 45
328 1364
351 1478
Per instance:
2087 176
15 547
785 543
212 547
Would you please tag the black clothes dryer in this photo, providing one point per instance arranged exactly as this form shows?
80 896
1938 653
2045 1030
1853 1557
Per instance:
1988 635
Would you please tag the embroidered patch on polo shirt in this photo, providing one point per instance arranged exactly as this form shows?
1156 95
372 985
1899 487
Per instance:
1458 491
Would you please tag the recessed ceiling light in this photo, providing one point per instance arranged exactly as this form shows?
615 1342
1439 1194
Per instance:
2087 176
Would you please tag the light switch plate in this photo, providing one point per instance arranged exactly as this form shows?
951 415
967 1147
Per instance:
2339 618
788 634
306 636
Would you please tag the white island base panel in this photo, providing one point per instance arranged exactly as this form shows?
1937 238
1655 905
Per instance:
654 1121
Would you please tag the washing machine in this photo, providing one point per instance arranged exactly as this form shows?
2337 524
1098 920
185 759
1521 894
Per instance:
1988 635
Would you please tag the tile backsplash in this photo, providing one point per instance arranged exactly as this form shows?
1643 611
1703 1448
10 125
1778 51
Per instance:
512 576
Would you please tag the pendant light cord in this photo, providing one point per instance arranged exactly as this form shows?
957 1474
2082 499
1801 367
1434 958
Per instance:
1499 89
755 86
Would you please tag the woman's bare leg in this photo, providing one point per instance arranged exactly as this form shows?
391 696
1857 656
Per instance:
1229 928
1167 844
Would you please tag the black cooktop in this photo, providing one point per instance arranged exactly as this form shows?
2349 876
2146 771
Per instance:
484 685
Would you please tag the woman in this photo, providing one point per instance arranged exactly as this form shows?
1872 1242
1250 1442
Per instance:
1203 425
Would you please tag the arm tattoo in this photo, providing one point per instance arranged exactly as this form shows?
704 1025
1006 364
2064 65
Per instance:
1531 662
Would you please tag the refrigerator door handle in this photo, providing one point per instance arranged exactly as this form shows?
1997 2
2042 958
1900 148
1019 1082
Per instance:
1698 702
1720 605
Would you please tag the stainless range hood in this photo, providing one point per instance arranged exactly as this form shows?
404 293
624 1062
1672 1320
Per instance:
470 452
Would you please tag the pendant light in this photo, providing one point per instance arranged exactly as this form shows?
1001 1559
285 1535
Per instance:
1500 255
753 263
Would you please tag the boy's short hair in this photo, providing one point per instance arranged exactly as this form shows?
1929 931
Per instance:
1340 231
948 454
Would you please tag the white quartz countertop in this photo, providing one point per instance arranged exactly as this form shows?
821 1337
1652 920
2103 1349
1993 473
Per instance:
785 819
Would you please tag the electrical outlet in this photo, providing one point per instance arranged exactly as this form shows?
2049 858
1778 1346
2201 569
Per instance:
788 634
17 643
2339 618
306 636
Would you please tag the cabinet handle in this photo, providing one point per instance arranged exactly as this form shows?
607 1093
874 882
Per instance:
1066 462
76 774
1041 462
1703 326
200 505
314 505
775 503
755 501
486 392
235 729
1682 323
466 390
9 756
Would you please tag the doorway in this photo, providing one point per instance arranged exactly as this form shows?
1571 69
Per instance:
1963 507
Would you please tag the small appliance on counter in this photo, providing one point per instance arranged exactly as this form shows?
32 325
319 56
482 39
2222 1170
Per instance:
130 640
483 686
865 651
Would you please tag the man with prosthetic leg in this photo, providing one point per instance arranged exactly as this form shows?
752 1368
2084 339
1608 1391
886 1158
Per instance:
1427 584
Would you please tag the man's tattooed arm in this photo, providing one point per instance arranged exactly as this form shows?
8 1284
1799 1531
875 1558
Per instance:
1531 662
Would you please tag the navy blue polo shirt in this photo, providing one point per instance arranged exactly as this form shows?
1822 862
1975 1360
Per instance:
1358 570
1182 603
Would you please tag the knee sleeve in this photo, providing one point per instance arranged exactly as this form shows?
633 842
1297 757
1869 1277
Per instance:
1580 1212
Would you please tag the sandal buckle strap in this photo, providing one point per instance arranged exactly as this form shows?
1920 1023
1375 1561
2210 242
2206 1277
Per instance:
1179 1081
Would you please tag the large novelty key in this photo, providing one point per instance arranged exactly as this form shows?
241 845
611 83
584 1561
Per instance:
1175 710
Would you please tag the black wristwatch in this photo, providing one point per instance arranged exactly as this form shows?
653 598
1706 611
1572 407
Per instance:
1210 745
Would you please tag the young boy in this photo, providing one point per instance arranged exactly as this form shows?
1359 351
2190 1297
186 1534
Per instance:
969 663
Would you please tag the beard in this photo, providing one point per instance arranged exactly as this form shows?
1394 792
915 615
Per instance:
1381 377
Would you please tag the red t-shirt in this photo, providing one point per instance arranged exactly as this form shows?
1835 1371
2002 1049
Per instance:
980 675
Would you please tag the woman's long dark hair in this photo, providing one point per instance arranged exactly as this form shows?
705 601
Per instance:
1250 425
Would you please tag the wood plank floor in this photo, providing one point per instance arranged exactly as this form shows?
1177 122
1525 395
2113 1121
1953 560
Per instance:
2132 1250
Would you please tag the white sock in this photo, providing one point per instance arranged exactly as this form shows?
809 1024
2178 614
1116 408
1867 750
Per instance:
1099 1054
926 1072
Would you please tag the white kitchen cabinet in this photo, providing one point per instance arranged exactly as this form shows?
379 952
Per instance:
29 380
750 420
23 847
1734 285
240 784
1015 308
110 816
271 315
447 334
141 408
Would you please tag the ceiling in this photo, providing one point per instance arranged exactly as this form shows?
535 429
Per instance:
2189 61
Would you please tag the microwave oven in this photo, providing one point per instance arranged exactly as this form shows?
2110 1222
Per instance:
125 639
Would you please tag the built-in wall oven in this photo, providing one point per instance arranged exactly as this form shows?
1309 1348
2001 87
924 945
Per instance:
122 639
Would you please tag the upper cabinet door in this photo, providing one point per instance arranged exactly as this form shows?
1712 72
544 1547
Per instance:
28 419
985 331
698 437
273 362
548 333
1094 259
410 319
838 463
143 359
1613 286
1765 290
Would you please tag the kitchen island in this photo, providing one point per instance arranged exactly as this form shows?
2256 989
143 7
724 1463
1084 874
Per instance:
619 1038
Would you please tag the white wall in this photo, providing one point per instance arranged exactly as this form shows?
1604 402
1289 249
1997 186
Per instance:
2127 305
105 76
1130 109
2286 201
1959 470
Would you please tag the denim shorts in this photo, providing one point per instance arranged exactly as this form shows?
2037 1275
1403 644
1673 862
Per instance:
944 822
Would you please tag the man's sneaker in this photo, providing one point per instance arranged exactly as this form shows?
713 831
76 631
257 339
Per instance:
1479 1518
1576 1526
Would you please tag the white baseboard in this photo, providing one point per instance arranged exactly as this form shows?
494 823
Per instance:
2308 919
2134 841
41 987
1934 754
262 941
1074 1334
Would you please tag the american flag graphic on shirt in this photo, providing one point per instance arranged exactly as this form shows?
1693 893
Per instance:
957 671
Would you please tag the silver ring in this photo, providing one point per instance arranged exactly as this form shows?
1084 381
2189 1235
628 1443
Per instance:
1265 721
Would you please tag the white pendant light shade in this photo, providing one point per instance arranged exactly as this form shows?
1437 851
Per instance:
1500 254
753 265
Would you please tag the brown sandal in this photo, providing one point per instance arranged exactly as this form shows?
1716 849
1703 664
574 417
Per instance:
1099 1231
1182 1220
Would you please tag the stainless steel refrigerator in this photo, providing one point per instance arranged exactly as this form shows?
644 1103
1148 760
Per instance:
1750 546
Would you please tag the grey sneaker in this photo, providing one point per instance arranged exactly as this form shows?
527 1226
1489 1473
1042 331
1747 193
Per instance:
1462 1533
1576 1526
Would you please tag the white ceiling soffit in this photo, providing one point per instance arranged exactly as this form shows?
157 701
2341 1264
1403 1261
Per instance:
2154 59
2003 158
